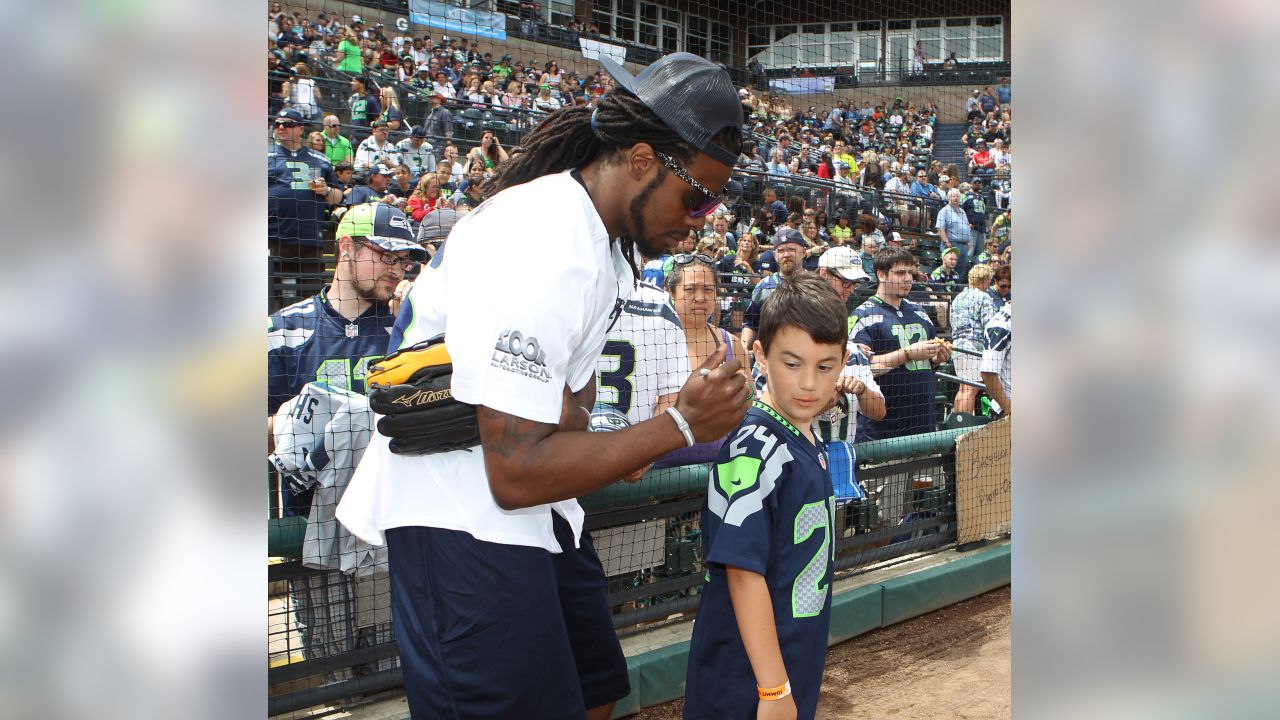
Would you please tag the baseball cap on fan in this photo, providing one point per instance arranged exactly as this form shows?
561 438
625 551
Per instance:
691 95
839 260
384 226
437 224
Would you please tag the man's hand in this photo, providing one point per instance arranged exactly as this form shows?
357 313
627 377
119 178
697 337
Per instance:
320 187
943 354
850 384
397 297
925 349
716 397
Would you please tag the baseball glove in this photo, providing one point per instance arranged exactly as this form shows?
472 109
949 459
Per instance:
411 390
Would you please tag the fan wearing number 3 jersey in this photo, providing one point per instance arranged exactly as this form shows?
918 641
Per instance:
905 350
644 362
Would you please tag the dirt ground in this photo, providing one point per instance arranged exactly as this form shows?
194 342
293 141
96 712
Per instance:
952 663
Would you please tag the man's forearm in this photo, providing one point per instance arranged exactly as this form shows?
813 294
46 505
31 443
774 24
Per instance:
890 360
995 389
565 465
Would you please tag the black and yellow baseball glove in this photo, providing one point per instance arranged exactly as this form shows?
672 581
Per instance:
411 390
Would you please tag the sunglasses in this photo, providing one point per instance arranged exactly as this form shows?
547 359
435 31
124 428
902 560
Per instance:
288 124
686 258
711 199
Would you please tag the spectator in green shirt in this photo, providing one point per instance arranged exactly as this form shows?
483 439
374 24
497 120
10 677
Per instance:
336 147
349 54
840 232
501 71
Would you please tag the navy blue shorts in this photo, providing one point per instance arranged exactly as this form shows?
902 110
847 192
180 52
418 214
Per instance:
487 630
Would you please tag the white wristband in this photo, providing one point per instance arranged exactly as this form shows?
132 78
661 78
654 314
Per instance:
682 424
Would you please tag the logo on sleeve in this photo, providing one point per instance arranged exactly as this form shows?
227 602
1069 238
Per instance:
521 355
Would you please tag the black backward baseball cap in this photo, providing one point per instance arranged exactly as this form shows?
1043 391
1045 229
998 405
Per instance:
692 95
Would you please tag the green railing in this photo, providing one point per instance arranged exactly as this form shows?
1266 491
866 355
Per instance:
284 535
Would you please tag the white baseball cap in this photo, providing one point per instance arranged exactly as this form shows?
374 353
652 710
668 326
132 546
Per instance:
840 261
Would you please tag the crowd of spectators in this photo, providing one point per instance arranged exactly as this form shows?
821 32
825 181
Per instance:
884 187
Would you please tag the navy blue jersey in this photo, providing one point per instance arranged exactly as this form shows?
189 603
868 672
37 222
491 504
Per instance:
908 389
770 510
309 341
361 194
294 211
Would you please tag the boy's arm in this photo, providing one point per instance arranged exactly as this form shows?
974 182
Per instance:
753 610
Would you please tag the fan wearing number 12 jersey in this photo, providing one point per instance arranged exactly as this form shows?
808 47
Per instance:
645 358
908 389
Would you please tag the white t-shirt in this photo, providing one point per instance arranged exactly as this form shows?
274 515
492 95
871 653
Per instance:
302 95
368 152
997 358
645 355
524 290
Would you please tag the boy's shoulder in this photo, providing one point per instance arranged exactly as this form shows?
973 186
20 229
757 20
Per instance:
759 433
751 461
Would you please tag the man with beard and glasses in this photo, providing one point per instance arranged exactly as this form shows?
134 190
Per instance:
498 597
334 336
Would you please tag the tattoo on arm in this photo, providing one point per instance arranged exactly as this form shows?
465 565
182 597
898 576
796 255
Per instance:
503 434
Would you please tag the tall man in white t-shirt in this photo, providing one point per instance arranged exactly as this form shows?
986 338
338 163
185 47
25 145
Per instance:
498 597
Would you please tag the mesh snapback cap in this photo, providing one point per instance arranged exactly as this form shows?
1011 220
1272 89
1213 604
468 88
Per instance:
384 226
437 224
692 95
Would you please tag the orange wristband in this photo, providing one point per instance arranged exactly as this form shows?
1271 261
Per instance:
775 693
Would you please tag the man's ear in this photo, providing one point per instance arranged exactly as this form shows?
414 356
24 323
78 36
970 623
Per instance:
639 159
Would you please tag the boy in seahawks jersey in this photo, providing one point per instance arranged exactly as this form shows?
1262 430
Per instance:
767 524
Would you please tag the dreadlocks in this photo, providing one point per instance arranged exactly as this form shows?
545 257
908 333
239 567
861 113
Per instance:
566 140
